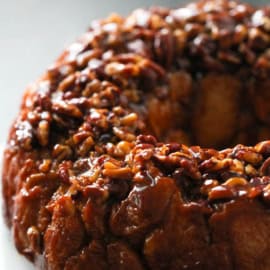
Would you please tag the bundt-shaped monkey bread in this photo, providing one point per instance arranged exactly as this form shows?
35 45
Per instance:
101 170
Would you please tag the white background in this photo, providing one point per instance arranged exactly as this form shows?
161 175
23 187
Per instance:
32 34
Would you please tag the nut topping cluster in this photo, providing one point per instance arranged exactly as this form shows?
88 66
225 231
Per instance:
100 161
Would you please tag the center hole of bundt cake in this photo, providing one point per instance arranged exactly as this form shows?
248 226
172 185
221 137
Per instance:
210 110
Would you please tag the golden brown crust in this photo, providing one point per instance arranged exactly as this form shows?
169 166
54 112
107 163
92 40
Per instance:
217 110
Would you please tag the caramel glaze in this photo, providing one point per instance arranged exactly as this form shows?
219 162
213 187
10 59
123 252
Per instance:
97 170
